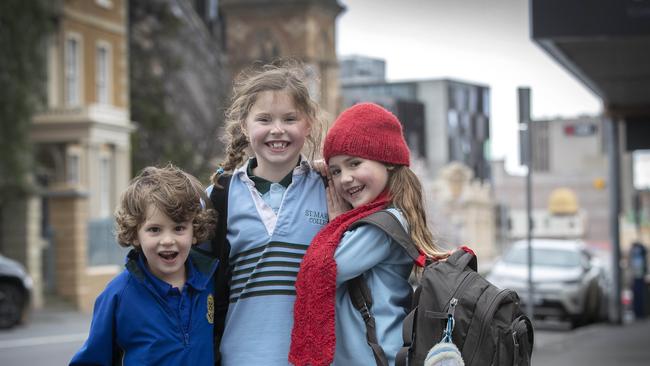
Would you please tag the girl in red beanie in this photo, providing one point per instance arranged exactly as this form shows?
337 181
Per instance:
368 169
276 204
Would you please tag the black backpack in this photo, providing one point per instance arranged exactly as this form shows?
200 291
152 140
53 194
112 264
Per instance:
490 327
219 247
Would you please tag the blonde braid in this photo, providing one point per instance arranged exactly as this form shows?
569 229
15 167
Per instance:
235 152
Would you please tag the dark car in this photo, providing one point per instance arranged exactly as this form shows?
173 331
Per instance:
15 292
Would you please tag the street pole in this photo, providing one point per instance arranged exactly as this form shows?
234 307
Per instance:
525 126
615 209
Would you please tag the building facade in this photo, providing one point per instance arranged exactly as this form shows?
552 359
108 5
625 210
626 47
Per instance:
463 212
455 115
264 30
82 143
569 180
356 69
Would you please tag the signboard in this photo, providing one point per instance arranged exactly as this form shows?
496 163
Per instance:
580 129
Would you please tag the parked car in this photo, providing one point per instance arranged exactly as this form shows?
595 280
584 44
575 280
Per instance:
568 282
15 292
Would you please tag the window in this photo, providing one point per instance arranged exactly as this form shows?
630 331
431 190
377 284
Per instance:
102 74
72 71
72 169
104 3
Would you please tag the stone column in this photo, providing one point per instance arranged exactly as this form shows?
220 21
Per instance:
69 221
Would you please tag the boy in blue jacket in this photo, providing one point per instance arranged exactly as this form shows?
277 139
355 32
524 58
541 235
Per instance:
159 310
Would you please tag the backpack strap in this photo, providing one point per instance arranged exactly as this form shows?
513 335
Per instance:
407 336
360 294
362 300
391 225
220 248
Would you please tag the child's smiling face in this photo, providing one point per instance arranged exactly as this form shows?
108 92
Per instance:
357 180
166 245
277 131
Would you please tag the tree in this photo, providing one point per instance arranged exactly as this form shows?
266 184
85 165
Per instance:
176 86
25 26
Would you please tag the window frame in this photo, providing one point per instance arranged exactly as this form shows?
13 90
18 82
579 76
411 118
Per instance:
103 84
73 70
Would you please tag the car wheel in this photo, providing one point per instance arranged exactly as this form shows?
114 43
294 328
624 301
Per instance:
11 305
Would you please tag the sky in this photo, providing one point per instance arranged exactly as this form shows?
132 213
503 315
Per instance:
482 41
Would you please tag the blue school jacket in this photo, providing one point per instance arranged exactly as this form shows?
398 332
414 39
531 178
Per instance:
134 325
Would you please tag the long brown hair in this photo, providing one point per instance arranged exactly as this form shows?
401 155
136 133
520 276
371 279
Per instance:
406 194
286 76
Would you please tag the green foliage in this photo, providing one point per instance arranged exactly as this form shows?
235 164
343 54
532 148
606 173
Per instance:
24 28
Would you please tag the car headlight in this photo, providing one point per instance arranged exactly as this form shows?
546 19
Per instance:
28 282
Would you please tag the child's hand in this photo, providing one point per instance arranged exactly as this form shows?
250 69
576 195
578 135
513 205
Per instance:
336 205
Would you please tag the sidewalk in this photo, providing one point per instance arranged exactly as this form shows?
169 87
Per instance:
50 336
57 317
599 344
54 333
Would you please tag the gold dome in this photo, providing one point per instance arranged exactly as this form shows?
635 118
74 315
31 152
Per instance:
563 201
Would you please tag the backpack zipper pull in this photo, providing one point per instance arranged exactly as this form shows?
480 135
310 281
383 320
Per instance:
446 335
452 307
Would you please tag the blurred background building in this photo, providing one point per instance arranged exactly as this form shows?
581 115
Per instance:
444 120
356 69
131 84
570 199
81 142
264 30
607 50
134 83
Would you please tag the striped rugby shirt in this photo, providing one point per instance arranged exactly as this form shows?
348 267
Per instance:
266 250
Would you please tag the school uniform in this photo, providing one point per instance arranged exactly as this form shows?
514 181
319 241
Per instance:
269 232
141 320
385 266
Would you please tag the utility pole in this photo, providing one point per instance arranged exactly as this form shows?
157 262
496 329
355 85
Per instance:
525 129
614 211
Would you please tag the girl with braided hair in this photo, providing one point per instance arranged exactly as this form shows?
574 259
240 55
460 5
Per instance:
276 203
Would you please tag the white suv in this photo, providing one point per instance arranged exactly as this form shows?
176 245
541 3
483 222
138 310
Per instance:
568 283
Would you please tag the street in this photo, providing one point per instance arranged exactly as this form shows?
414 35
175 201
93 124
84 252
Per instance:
52 335
593 345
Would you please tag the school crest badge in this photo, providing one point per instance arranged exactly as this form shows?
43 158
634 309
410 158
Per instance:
210 314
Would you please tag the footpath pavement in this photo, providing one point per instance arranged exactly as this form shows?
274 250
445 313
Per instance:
596 345
53 334
50 336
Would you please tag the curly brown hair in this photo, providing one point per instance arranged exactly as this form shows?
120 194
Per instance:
174 192
282 75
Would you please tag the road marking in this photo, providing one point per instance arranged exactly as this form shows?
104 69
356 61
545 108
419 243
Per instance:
45 340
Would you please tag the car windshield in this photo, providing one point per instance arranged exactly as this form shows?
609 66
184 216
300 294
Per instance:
544 257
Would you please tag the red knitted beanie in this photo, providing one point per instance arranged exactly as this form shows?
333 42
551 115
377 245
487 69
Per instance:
368 131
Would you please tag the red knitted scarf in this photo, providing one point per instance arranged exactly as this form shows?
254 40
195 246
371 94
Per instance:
313 338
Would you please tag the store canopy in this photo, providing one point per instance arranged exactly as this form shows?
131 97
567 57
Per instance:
604 43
